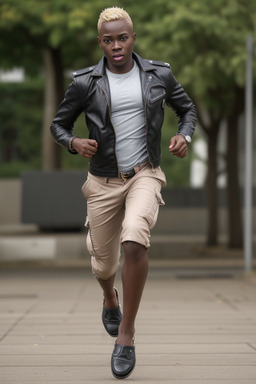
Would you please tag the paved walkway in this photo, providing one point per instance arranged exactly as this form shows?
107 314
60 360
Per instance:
192 328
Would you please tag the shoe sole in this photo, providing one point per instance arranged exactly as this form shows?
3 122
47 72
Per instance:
123 377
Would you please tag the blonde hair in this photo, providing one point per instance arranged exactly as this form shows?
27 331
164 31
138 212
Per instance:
113 13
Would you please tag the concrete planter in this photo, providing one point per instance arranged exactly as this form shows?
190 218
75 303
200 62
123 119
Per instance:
53 200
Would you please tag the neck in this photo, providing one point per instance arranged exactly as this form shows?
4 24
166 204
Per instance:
127 67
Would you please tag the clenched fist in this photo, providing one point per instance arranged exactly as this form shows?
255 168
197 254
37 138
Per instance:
178 146
85 147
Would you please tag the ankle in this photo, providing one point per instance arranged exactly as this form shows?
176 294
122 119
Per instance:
125 340
110 300
126 335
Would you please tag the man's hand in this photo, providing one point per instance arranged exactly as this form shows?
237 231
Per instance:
85 147
178 146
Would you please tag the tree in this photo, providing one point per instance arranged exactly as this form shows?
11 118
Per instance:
207 52
20 144
203 41
52 33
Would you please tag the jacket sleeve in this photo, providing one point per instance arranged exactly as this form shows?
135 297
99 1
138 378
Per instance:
69 110
183 106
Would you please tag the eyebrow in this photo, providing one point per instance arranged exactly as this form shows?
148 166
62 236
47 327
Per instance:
120 34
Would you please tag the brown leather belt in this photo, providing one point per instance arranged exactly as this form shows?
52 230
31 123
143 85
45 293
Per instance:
132 172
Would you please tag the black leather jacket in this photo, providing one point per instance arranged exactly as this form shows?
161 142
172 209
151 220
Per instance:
89 93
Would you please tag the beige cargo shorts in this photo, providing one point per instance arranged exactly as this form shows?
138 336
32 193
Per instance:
119 211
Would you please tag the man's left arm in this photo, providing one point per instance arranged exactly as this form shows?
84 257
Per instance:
178 146
185 110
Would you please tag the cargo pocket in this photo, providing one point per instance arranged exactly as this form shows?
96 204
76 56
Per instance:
159 201
89 244
159 198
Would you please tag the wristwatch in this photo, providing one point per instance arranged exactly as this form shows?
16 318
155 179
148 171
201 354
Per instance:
70 145
187 138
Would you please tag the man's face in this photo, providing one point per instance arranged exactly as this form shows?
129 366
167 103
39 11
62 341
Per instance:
116 39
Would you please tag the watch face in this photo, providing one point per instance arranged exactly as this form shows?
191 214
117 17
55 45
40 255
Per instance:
188 139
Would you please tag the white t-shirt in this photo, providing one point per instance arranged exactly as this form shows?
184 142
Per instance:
128 118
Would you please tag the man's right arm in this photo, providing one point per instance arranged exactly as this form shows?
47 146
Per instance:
84 147
63 123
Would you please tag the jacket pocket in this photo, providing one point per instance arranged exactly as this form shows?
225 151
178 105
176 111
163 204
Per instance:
156 94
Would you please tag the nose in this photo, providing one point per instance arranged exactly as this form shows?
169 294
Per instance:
116 45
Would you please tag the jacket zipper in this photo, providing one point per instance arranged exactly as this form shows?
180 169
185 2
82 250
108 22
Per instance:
109 109
146 119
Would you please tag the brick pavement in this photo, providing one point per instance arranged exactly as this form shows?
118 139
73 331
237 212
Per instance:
194 327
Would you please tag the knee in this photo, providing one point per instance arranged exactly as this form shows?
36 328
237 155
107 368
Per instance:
134 252
136 233
104 262
103 270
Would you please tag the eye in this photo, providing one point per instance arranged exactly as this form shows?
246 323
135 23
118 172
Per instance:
124 38
107 41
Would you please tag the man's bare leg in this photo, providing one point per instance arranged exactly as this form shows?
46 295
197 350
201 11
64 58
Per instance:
110 299
134 275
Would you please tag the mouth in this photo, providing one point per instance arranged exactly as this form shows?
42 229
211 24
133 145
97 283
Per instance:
118 57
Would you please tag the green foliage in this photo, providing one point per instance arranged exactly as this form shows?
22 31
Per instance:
20 129
203 40
15 168
27 27
205 43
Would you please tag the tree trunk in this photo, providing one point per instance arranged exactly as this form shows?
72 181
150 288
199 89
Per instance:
212 190
211 129
235 228
53 95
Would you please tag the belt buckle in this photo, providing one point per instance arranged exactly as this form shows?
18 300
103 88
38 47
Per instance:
127 175
124 176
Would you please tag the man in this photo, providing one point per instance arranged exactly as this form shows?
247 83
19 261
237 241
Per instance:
123 99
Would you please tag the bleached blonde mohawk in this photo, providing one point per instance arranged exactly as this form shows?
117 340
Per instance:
113 13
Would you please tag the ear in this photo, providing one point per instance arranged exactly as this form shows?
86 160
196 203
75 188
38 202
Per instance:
134 38
99 41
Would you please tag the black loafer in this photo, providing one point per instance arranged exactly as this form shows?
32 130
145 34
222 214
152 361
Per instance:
123 361
112 318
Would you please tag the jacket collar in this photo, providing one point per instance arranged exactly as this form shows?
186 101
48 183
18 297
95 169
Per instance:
145 65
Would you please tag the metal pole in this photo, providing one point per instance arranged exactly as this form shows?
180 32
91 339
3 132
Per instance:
248 206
